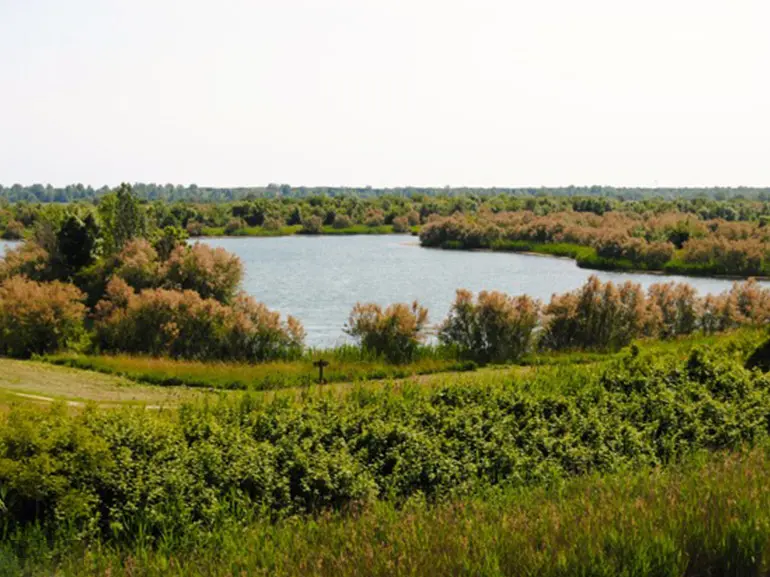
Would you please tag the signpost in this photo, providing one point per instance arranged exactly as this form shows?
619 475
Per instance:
321 363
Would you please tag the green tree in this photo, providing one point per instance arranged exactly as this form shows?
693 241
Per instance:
122 218
77 241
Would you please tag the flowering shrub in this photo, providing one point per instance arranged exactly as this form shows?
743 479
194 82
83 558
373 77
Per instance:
394 332
28 259
14 230
646 240
673 309
400 224
496 328
183 324
211 272
596 316
138 265
38 318
374 218
726 256
342 221
234 225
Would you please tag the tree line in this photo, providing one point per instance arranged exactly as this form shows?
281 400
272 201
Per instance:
47 193
328 214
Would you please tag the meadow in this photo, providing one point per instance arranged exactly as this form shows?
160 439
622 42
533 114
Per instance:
320 483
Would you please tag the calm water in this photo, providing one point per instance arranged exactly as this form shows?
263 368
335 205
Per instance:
319 279
3 245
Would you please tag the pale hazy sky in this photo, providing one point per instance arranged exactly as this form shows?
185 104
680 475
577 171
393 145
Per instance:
385 93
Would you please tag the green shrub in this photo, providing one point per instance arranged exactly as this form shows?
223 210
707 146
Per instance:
38 318
312 225
342 221
131 476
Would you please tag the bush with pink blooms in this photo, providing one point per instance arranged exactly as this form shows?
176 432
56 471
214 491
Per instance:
38 318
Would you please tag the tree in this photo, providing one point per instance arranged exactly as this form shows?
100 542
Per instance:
77 242
122 218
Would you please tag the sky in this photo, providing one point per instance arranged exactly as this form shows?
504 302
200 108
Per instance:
385 93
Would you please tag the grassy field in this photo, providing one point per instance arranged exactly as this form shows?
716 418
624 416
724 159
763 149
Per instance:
257 377
649 461
42 383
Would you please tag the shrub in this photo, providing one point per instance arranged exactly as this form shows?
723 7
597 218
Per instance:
596 316
725 256
342 221
400 224
194 228
272 224
394 332
14 230
39 318
138 265
312 225
673 309
496 328
211 272
183 324
165 241
28 259
234 225
374 218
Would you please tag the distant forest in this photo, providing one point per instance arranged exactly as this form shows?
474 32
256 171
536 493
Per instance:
194 193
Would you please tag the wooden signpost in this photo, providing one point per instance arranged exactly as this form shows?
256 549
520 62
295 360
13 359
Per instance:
321 363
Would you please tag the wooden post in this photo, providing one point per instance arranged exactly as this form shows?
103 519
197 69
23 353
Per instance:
321 363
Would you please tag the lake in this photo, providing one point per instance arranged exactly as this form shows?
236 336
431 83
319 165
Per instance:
319 279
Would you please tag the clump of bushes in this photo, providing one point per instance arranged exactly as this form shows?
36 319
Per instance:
597 316
394 332
312 225
234 225
187 325
14 230
607 317
495 328
29 259
39 318
211 272
724 255
342 221
669 241
401 224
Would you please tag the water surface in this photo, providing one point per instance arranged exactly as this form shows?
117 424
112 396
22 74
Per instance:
5 245
319 279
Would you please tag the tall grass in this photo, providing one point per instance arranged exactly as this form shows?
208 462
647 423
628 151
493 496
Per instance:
709 517
346 364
